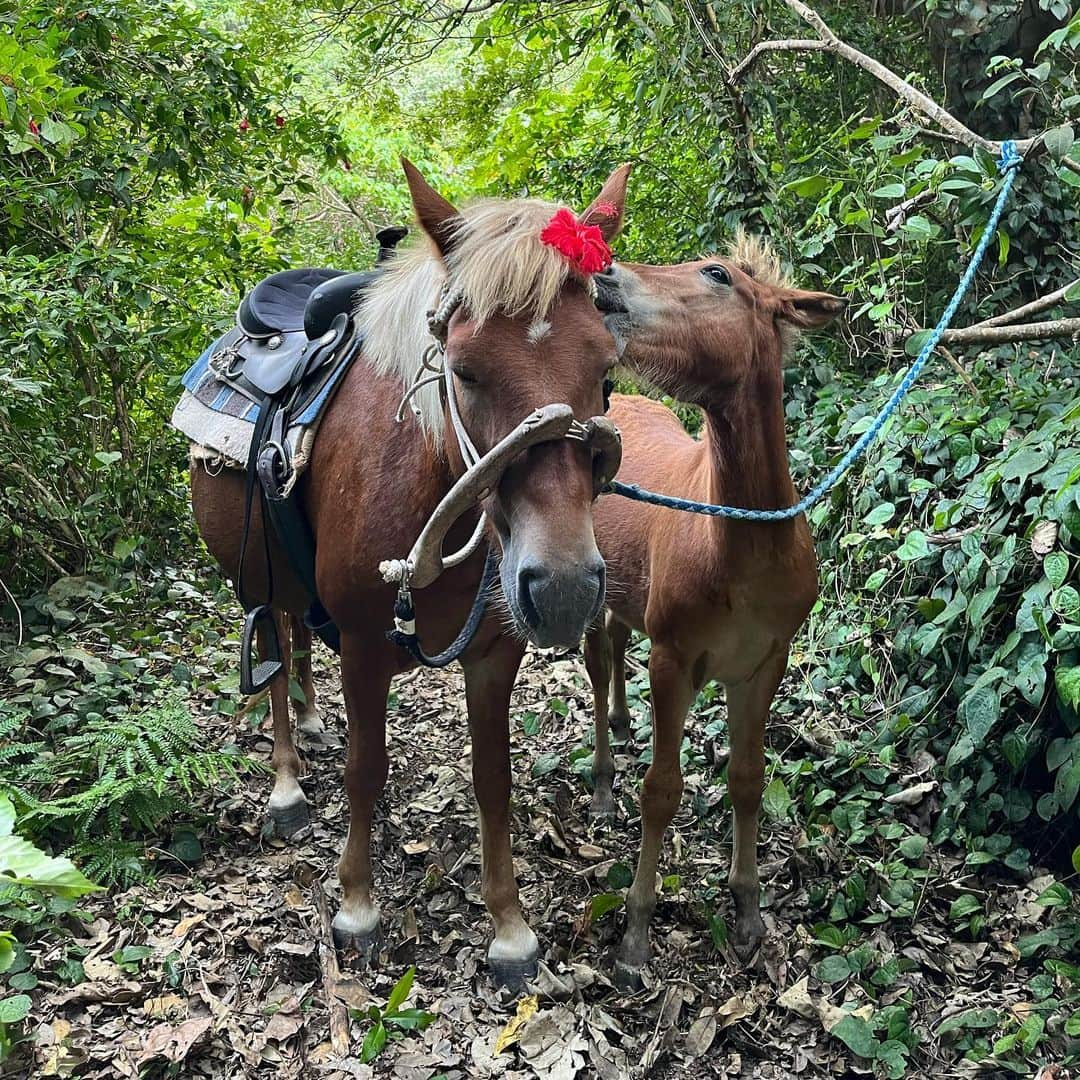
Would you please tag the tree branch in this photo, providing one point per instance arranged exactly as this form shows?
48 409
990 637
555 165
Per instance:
981 334
780 45
1048 301
829 42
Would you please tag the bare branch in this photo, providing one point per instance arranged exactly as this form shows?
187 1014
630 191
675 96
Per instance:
1042 304
981 334
780 45
829 42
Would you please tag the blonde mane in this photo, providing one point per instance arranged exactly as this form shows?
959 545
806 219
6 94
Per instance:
499 264
755 256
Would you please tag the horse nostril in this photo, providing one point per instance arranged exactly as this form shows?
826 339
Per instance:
528 577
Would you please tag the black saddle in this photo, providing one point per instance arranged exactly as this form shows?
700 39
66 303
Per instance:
293 332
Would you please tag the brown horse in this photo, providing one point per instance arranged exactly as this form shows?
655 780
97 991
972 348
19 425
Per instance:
526 334
719 599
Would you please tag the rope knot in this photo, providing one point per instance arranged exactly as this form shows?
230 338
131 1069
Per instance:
1010 157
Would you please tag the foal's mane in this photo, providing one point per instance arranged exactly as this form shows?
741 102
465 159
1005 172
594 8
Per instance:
499 264
754 255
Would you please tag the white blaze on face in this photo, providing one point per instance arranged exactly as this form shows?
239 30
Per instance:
538 330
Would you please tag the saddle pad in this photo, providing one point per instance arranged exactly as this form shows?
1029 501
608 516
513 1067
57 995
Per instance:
217 418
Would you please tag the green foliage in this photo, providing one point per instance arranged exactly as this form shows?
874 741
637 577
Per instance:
393 1021
119 777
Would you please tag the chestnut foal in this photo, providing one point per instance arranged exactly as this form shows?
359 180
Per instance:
526 334
719 599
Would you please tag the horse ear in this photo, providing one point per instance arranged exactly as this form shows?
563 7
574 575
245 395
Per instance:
437 217
606 210
809 310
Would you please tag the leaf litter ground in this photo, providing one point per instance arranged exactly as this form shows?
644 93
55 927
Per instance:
225 971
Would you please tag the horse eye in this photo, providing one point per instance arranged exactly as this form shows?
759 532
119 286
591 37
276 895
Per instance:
717 275
465 377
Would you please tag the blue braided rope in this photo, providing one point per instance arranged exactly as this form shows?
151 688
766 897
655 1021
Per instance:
1008 165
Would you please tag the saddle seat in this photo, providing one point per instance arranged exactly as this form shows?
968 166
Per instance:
291 322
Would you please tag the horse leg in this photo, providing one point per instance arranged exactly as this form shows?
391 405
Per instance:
288 805
307 715
672 692
366 683
748 710
598 665
488 683
619 716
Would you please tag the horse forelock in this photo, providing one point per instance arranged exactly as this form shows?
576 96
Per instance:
501 267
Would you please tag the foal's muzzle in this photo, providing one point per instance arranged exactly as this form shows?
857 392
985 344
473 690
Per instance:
426 561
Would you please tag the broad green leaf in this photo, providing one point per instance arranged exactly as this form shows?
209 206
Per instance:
373 1044
969 1018
619 876
1056 568
1067 683
1055 895
857 1035
881 513
913 847
914 547
401 990
889 191
1059 141
963 906
23 864
979 712
776 800
602 904
545 763
832 969
14 1008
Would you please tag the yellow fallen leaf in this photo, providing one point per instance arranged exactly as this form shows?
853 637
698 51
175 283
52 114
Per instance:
510 1034
167 1007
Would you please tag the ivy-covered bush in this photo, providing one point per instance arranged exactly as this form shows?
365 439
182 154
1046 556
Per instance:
949 612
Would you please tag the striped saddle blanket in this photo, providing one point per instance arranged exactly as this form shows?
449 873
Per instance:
220 420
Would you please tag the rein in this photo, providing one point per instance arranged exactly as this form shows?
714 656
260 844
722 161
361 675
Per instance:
1008 166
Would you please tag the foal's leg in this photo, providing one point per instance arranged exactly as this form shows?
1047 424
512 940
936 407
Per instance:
598 665
307 715
619 716
365 678
488 683
748 710
287 806
672 695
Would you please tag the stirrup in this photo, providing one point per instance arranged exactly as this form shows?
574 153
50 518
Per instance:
257 680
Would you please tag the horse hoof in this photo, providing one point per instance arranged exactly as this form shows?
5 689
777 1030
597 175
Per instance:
512 974
746 948
310 722
602 807
366 946
619 725
289 819
627 977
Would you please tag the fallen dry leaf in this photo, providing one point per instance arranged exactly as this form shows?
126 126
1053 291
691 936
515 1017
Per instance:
911 796
174 1042
526 1008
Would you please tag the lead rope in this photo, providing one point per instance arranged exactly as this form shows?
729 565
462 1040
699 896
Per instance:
1008 165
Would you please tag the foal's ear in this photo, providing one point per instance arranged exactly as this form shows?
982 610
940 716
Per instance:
437 217
606 210
809 310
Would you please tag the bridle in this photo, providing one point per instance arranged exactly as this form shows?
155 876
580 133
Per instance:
426 562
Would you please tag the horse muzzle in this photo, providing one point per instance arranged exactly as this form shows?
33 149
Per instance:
426 560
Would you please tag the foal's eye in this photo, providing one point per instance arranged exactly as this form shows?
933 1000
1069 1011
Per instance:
717 275
464 377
